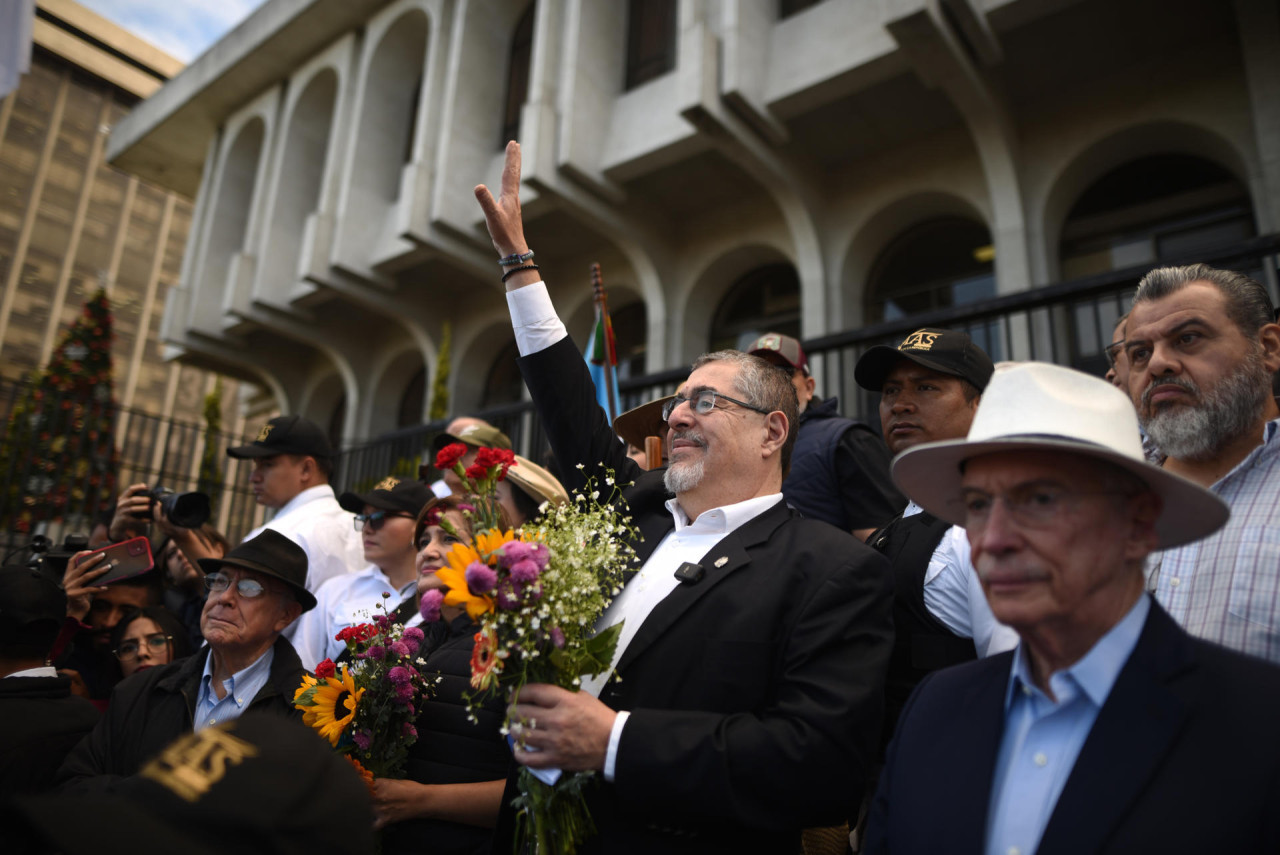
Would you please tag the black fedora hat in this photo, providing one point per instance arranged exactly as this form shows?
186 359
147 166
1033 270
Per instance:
271 554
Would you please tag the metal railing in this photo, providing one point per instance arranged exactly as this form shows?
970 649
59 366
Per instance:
1068 323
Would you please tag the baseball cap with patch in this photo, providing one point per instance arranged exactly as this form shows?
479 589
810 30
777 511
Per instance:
286 435
391 494
783 346
477 436
946 351
262 783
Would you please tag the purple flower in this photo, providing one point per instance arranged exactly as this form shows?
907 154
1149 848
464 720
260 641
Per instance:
409 730
557 636
515 552
363 739
480 578
399 648
430 608
413 634
377 651
399 675
525 571
508 595
404 693
540 555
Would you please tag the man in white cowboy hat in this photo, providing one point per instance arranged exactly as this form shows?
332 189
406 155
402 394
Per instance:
1109 728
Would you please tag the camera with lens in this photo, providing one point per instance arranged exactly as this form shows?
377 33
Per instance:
185 510
50 559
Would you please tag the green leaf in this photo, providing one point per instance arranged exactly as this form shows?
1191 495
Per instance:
593 657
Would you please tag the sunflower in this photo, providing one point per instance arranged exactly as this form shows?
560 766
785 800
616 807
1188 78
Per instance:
454 573
329 696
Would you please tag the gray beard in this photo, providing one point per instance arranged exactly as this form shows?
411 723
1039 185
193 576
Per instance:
684 476
1228 411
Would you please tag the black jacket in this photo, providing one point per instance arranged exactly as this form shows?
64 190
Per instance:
755 694
40 721
151 709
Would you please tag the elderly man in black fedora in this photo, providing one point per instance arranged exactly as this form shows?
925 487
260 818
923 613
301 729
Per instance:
255 591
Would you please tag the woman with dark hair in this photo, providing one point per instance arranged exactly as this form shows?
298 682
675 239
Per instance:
525 489
147 637
448 802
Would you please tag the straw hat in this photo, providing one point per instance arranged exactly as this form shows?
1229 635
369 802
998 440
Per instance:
1035 406
642 421
540 484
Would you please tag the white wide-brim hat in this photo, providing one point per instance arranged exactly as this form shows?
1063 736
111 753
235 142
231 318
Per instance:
1036 406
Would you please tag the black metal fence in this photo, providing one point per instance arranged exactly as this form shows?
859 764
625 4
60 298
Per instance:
1067 323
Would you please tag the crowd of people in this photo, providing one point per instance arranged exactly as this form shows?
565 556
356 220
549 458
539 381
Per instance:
1036 611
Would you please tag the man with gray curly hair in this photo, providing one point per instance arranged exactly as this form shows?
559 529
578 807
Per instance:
1202 347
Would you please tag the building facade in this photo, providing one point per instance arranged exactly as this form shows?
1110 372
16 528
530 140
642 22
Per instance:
733 165
70 222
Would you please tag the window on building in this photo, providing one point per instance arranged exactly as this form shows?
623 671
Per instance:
517 76
504 384
765 300
934 265
1159 206
412 401
651 40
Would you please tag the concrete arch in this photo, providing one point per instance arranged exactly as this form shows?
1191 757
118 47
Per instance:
580 320
386 107
703 291
324 393
878 230
388 381
228 220
306 131
1095 158
474 352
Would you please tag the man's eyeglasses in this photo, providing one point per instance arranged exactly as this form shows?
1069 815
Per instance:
375 520
704 402
1112 351
128 650
246 587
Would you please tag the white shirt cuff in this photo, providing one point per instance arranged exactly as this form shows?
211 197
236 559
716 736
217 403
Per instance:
615 736
534 319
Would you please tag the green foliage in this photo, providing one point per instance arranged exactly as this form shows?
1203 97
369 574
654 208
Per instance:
210 482
439 409
58 454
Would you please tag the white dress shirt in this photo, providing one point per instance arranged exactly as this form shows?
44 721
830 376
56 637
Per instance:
953 594
314 520
341 602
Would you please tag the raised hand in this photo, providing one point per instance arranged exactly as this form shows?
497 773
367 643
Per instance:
502 215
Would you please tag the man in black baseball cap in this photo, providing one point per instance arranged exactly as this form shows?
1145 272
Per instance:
255 591
839 468
256 785
929 389
292 462
40 719
385 518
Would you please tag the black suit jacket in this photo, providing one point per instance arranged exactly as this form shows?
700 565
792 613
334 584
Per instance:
1184 757
755 694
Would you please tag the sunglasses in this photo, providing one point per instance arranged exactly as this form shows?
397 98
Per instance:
375 520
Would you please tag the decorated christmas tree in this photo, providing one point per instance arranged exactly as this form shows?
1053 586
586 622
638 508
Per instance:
58 456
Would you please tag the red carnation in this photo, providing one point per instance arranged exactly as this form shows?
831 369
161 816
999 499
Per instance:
489 458
475 471
450 455
325 669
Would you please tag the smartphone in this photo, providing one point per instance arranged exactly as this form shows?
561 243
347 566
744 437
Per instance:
126 559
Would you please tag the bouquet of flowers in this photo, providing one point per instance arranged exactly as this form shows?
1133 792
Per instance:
367 713
537 594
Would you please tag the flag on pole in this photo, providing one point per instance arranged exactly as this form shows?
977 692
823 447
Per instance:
602 351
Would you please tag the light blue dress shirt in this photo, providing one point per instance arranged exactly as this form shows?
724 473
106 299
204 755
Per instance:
1043 737
241 688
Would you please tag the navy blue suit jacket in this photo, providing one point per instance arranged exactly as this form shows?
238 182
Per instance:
1184 757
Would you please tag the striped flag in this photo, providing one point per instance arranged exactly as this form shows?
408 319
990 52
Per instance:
602 352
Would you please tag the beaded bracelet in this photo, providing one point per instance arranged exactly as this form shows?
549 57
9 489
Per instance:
515 258
507 275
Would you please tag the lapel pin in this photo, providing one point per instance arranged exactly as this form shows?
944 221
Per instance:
721 561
